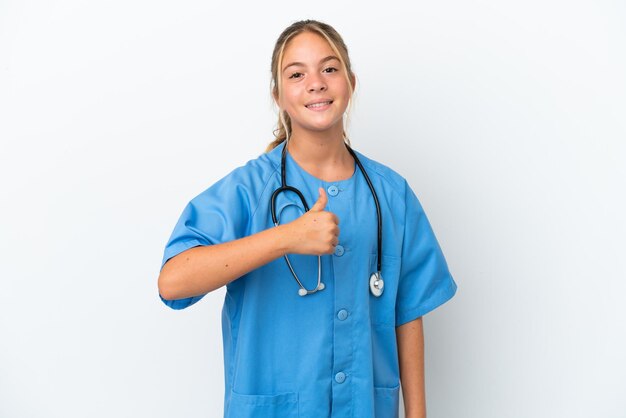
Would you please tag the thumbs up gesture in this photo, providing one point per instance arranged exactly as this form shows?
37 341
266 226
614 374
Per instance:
316 232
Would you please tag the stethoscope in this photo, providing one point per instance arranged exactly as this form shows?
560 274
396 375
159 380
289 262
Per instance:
376 279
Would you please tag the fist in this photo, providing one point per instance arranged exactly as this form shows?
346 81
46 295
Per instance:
316 232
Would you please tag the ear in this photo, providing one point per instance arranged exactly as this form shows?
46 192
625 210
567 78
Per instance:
353 81
275 96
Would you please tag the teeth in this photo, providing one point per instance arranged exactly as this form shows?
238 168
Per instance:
319 104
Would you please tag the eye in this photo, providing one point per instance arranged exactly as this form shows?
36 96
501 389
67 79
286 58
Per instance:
331 68
293 75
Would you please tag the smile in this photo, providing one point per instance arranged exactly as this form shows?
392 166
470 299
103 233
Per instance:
319 106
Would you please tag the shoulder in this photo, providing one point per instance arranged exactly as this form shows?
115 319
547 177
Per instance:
388 177
254 171
245 182
252 174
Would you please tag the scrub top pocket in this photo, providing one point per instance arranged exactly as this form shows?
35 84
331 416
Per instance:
387 402
282 405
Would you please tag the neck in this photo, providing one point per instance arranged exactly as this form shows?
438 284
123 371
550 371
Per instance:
323 155
320 149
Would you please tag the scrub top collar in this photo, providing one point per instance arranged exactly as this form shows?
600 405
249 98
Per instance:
275 157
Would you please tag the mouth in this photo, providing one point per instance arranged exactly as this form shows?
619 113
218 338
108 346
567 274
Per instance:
322 105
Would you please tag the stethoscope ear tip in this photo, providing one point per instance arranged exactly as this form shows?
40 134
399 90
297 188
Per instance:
304 292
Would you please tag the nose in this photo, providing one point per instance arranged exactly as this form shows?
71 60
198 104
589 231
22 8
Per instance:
316 83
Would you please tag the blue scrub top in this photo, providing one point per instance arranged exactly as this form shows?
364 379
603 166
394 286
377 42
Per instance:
332 353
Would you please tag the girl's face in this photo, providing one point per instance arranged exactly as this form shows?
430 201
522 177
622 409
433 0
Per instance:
312 73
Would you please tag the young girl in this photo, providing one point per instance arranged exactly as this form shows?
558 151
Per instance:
327 279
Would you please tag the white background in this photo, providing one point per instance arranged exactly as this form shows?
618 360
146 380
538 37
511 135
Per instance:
507 118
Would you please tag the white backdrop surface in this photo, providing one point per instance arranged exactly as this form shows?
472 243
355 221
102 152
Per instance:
507 118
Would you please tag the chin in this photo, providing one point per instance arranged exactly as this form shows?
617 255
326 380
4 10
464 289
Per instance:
324 125
319 127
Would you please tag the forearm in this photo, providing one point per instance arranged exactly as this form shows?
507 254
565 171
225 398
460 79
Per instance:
202 269
410 338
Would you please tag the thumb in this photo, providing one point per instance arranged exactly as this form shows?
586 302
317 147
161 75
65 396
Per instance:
321 201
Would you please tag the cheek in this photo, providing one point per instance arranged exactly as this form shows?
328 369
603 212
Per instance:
290 99
342 89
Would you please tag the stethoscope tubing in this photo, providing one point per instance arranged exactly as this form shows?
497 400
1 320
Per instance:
285 187
378 215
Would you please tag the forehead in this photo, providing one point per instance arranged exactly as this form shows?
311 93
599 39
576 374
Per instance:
306 45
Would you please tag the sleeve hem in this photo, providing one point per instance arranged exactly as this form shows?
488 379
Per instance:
179 248
170 252
411 314
178 304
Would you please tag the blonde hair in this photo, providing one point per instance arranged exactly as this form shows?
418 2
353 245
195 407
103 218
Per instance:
335 41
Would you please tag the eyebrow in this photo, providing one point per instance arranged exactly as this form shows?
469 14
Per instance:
323 60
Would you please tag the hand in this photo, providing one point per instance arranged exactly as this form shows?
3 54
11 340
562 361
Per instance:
316 232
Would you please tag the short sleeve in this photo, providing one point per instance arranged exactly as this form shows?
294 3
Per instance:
219 214
425 281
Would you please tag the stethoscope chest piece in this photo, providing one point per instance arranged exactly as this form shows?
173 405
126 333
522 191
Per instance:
377 284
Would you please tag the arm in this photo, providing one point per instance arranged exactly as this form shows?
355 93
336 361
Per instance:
202 269
410 338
